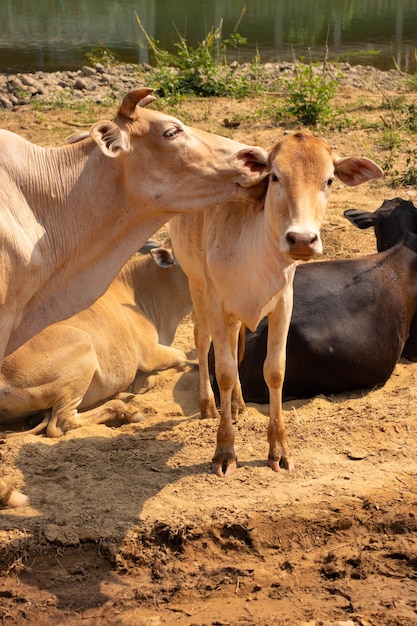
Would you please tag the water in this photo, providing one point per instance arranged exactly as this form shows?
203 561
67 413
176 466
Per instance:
53 35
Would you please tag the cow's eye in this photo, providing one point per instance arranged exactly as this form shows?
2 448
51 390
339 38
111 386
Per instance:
171 132
330 182
273 178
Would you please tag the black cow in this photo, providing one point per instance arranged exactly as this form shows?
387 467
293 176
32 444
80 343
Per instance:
352 319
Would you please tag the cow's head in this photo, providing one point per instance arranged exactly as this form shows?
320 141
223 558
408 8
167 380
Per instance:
391 222
302 169
178 167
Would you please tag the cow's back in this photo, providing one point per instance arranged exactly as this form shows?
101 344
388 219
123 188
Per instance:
348 328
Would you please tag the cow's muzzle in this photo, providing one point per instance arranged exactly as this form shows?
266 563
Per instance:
303 246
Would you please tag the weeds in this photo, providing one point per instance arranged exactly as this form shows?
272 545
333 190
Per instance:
411 117
402 119
408 177
391 139
102 55
412 80
309 94
201 70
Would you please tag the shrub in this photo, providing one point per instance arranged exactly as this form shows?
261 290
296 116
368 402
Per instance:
408 177
309 94
201 70
102 55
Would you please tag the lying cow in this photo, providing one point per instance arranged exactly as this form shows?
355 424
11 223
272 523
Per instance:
74 366
240 261
70 217
352 319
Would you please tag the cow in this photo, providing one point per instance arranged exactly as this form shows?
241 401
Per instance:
70 217
72 368
352 319
240 261
80 363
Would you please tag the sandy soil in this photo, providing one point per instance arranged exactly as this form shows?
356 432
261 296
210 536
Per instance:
127 526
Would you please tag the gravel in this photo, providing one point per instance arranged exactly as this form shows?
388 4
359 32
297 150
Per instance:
99 83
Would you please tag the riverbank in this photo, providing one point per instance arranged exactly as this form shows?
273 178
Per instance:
99 84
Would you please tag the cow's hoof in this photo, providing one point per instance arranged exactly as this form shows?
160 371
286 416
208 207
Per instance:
224 468
16 499
283 463
135 418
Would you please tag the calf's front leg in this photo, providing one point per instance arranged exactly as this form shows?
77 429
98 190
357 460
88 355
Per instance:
274 372
225 339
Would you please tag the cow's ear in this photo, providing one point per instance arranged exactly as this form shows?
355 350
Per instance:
360 219
252 164
111 140
354 171
163 257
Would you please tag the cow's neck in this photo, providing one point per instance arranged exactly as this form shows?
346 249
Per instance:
257 258
143 277
92 220
86 201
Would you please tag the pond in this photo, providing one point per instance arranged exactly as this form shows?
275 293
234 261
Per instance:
53 35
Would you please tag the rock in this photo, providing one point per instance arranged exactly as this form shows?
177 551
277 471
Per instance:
88 71
115 81
6 102
80 83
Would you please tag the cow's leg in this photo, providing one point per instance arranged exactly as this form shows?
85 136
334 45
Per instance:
202 338
159 357
225 334
10 498
238 403
77 375
53 370
66 417
274 372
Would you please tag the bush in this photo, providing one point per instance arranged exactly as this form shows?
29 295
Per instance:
102 55
309 94
408 177
201 71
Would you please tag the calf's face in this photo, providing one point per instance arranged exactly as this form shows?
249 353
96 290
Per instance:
302 169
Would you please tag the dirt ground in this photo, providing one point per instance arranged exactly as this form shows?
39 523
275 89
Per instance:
127 526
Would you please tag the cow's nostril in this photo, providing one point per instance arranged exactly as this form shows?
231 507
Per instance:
291 239
301 239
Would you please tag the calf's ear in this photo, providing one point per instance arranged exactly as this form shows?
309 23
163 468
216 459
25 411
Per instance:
354 171
360 219
111 140
252 163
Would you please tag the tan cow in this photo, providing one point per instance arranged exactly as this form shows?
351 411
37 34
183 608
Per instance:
74 366
241 260
70 217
